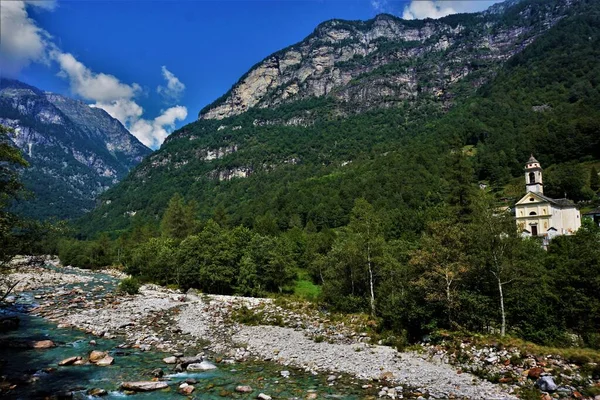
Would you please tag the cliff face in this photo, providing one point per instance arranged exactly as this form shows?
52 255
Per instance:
387 60
75 152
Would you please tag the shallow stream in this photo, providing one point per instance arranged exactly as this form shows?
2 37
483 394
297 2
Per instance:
35 374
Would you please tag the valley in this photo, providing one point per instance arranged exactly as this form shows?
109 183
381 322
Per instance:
386 208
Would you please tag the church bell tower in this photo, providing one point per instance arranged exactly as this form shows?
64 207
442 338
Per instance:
533 176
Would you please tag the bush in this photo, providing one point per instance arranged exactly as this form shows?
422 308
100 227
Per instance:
129 286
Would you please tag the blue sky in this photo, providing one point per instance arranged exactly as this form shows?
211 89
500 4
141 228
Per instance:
155 64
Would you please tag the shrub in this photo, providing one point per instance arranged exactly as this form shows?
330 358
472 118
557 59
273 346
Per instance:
129 286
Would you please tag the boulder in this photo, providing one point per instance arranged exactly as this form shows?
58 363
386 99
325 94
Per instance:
143 386
243 389
42 344
535 372
105 361
203 366
185 361
546 384
69 361
157 373
97 392
170 360
263 396
96 356
186 390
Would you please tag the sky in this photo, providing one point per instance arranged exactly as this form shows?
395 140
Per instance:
153 64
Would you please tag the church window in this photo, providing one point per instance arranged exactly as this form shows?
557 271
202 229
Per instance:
531 177
533 213
531 199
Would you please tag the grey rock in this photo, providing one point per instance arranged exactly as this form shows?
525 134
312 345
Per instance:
546 384
203 366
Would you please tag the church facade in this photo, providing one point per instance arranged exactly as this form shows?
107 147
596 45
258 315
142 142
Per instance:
538 215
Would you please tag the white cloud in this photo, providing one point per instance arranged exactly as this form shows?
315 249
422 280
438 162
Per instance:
153 133
126 111
92 86
174 88
22 41
420 9
118 99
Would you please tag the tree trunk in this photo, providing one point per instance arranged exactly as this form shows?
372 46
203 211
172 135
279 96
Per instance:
503 328
449 300
371 280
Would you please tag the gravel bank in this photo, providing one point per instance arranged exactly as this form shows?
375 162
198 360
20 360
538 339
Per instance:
291 347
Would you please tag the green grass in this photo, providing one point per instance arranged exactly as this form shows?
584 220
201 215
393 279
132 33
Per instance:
305 288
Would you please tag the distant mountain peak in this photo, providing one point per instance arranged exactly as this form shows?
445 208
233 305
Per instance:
75 152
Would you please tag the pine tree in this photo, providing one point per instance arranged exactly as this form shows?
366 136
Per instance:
178 221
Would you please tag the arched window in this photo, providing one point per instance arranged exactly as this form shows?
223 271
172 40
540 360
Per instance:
533 213
531 177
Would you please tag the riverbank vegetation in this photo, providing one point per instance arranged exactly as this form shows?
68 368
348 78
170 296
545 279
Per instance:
467 271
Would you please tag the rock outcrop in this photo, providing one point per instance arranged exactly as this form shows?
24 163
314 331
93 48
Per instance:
387 60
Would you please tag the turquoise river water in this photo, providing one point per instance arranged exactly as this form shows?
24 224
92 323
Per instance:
35 374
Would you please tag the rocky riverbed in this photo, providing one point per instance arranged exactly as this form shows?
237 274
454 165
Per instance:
175 323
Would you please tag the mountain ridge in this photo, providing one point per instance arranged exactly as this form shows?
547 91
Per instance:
75 152
386 60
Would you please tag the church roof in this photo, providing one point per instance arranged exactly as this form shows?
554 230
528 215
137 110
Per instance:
559 202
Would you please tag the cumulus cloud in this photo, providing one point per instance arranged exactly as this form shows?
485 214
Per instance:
153 133
118 99
174 88
92 86
23 42
420 9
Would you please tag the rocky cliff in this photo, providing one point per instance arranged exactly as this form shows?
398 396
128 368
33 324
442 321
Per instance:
75 152
386 61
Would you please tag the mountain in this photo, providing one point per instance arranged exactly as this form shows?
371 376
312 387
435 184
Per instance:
75 151
376 109
386 61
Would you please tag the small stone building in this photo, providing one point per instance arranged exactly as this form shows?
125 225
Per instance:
538 215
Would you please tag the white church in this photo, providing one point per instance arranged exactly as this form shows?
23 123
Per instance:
538 215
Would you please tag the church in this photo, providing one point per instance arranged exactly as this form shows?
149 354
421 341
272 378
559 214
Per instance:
538 215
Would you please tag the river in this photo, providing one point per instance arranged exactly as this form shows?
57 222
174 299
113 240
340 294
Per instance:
35 374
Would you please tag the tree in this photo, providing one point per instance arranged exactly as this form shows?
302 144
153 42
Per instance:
495 245
10 187
179 219
14 232
366 229
355 260
442 263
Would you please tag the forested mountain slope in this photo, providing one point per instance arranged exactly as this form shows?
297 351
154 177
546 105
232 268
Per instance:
75 152
307 160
